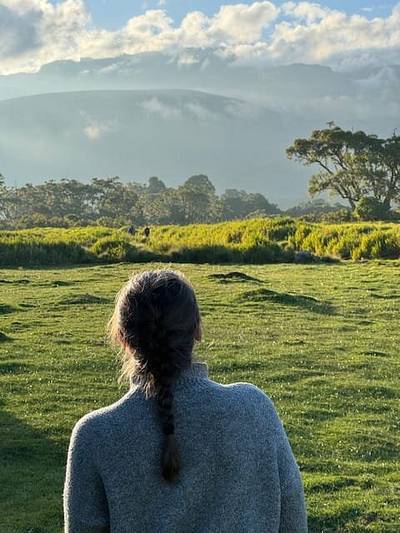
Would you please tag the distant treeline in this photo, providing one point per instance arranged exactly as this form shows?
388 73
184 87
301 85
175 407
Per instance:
359 168
110 202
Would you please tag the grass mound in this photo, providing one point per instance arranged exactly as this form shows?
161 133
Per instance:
82 299
21 281
298 300
239 277
6 309
4 337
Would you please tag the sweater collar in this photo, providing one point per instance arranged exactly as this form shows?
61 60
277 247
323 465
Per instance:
197 370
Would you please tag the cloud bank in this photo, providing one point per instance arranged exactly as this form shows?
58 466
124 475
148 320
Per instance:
36 32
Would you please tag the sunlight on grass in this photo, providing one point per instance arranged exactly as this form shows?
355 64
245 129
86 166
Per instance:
316 338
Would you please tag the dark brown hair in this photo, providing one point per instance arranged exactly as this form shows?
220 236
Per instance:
155 322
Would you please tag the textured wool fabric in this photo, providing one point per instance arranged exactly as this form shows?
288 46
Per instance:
238 472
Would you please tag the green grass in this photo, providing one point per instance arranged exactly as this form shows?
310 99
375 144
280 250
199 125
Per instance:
321 340
256 241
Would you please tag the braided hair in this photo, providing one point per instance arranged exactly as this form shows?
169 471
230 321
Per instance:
156 320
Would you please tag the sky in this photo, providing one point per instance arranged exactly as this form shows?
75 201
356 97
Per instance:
114 13
338 33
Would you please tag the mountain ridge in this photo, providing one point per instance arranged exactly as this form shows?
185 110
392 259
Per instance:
240 118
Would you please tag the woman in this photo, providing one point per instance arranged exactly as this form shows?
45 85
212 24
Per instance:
179 452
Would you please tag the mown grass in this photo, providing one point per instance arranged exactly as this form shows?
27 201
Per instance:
321 340
256 241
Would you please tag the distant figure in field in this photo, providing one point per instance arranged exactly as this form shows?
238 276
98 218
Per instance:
131 230
146 232
179 452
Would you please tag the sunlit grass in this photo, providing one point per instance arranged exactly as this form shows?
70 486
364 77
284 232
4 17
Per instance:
321 340
257 241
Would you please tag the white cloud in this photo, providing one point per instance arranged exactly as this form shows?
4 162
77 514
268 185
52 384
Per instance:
200 112
94 129
35 32
305 11
335 34
242 23
157 107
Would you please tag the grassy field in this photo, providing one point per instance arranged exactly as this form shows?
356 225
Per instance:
321 340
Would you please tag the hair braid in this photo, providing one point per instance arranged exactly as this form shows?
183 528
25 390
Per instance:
155 320
170 461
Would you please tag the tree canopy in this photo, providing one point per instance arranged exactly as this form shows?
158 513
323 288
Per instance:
352 165
110 201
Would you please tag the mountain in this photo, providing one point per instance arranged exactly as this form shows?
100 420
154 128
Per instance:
136 134
176 115
203 69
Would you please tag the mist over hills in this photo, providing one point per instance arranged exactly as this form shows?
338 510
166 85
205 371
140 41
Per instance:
173 116
137 134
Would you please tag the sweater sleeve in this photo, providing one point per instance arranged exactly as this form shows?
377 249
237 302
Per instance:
293 507
85 502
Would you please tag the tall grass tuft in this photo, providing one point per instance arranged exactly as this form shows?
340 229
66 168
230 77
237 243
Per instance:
244 241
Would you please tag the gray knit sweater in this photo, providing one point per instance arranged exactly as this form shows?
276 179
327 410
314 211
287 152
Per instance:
238 473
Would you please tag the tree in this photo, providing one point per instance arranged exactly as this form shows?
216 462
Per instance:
156 185
240 204
201 203
111 202
112 199
3 197
165 208
391 161
353 165
369 208
318 206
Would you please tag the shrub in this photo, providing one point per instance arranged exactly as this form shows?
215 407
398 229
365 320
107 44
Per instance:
117 249
35 253
281 229
112 249
378 244
369 208
205 254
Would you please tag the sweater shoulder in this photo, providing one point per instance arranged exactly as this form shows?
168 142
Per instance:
253 400
93 421
249 392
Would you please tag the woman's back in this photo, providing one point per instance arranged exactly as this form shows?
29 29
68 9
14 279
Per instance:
237 473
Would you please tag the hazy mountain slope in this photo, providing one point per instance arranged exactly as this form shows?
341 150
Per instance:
161 126
137 134
193 69
286 86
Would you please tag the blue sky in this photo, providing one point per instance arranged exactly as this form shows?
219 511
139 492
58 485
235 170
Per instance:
113 14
